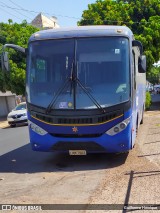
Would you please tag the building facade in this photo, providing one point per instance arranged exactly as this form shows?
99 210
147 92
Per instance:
7 103
43 22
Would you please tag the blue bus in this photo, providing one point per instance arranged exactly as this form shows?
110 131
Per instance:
85 89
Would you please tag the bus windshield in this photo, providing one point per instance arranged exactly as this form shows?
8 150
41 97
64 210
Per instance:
71 70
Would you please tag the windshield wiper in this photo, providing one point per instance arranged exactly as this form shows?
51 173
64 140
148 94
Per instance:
90 96
72 79
48 109
53 101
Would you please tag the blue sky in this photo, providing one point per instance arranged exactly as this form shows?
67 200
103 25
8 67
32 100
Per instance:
68 12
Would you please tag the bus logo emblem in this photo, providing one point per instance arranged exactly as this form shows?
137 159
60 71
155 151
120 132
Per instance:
75 129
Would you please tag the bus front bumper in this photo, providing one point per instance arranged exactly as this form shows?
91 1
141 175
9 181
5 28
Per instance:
105 143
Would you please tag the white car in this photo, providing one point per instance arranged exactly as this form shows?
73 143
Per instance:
17 115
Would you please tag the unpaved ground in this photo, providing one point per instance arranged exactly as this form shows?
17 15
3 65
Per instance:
92 179
136 181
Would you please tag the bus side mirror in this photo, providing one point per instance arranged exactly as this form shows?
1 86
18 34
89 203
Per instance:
136 43
142 64
5 61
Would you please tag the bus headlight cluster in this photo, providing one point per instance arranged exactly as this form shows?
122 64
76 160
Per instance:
119 127
36 128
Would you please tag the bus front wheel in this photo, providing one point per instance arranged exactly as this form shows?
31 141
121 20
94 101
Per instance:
142 117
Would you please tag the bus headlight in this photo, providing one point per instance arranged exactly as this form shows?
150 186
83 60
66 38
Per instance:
36 128
119 127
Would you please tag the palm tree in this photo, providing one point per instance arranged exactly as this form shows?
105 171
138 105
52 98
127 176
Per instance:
10 21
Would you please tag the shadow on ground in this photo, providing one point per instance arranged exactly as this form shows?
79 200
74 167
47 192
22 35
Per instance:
24 160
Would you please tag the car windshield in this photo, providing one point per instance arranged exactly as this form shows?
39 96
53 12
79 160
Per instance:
68 72
20 107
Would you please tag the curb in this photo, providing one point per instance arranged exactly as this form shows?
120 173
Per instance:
3 124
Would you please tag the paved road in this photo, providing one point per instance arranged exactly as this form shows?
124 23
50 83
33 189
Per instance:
13 138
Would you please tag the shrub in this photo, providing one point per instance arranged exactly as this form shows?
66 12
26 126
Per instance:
148 100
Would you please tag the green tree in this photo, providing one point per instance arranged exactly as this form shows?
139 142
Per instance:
15 34
148 100
141 16
154 75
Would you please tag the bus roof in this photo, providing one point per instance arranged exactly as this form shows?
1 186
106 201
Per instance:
82 31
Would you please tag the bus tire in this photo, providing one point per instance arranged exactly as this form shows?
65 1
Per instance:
137 126
13 125
142 117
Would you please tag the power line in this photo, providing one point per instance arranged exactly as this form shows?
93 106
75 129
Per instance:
10 14
15 10
5 5
16 4
32 11
20 7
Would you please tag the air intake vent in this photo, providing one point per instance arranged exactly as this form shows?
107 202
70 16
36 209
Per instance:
75 121
88 146
94 119
76 135
107 117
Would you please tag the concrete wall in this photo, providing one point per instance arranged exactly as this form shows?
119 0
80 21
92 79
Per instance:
7 103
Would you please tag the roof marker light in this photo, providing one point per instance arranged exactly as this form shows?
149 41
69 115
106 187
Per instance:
36 35
119 31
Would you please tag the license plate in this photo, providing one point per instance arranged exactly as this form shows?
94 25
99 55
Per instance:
77 152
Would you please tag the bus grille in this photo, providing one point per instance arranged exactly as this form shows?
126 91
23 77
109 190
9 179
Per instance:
17 116
81 120
88 146
76 135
